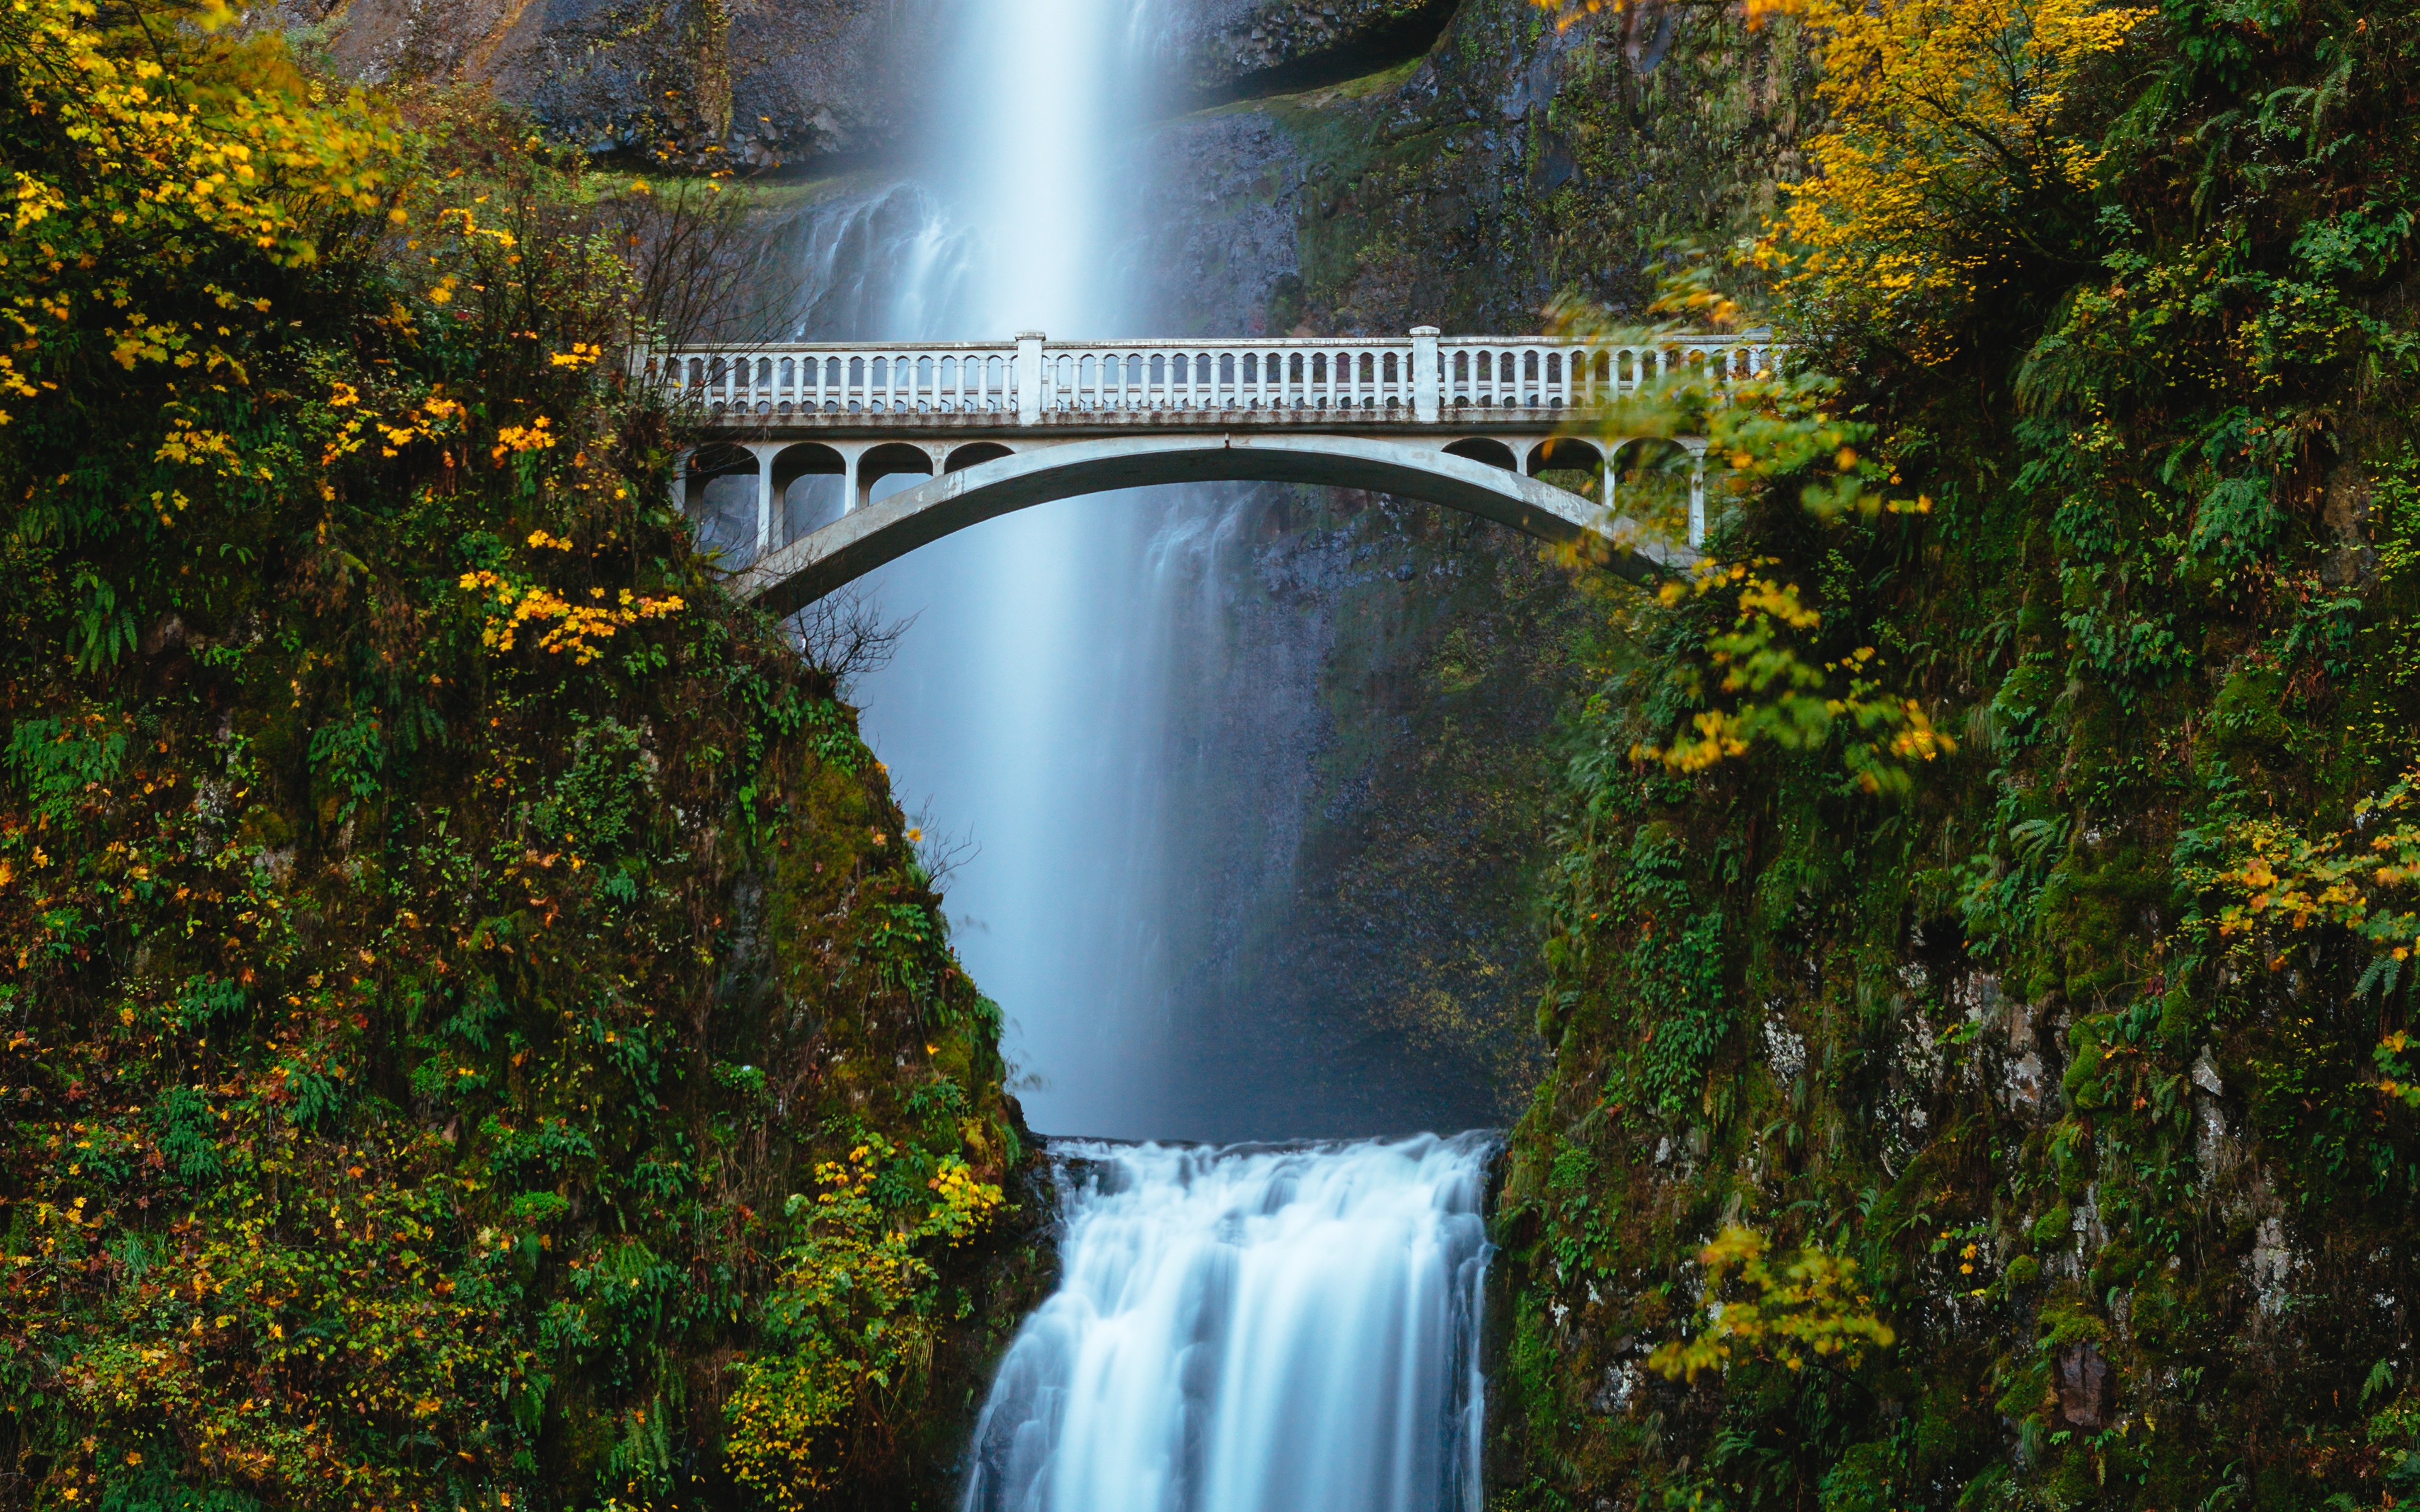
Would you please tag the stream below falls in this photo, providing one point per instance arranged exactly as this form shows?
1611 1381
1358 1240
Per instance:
1251 1329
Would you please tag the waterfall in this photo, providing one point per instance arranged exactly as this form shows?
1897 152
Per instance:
1253 1329
1025 708
1248 1329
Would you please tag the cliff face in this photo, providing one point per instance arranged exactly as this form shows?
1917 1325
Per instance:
1381 970
479 1030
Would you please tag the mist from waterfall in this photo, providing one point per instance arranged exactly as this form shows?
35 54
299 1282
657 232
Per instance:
1250 1330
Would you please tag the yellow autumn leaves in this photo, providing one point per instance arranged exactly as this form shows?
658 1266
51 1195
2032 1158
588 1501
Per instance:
847 1310
177 172
2278 882
1949 126
562 624
1808 1307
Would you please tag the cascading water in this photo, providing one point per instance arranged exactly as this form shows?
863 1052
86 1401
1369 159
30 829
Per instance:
1024 706
1250 1330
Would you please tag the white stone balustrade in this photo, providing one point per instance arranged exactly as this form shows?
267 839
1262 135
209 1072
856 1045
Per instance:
1420 379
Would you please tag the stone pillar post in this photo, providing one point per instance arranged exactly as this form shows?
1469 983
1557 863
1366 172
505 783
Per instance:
680 481
764 454
1028 377
1428 383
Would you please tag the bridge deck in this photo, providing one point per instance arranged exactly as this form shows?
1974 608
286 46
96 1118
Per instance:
797 441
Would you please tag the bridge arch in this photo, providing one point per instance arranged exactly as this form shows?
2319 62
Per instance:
974 452
787 580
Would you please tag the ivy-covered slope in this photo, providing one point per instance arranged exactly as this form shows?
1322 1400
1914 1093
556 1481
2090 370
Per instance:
475 1030
2032 1124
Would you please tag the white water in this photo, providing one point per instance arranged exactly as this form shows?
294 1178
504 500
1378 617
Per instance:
1250 1330
1254 1329
1025 710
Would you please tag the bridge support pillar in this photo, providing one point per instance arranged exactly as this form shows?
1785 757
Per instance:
765 500
1428 385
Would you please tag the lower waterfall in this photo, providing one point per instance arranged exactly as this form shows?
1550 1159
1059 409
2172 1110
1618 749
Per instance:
1251 1329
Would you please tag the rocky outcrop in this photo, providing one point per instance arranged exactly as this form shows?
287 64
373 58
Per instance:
1228 50
755 82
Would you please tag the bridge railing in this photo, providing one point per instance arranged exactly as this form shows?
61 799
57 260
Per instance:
1421 377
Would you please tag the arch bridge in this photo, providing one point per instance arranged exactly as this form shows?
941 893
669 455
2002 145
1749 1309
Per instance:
818 463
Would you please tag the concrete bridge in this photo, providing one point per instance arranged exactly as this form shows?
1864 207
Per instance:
822 462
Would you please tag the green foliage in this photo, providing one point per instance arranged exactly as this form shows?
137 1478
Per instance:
1807 1309
2090 1045
443 923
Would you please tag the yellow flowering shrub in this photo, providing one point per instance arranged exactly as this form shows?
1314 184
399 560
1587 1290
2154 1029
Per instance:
172 170
1809 1308
851 1320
